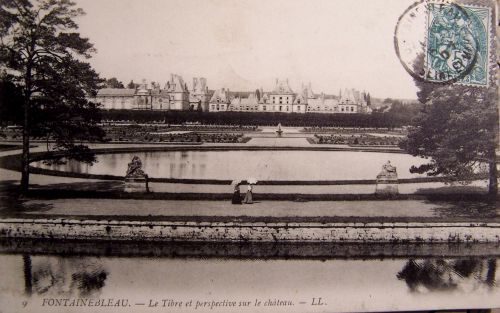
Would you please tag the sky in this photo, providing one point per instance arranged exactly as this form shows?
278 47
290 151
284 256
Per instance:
247 44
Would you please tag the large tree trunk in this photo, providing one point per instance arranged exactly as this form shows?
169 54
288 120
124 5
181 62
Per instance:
25 164
493 183
25 170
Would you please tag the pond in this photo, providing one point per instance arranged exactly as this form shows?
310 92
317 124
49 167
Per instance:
284 285
242 164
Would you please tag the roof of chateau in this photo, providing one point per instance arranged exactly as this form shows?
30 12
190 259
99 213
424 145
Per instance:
176 84
282 87
351 96
221 96
250 100
300 99
116 92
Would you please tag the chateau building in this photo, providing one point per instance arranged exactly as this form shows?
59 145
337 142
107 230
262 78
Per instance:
220 101
282 98
176 96
115 98
250 103
199 95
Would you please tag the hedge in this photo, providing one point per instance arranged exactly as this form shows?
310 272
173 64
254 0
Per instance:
375 120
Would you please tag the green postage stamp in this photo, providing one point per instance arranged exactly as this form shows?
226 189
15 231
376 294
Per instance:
457 45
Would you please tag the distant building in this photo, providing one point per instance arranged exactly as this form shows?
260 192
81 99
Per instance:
199 96
250 103
143 98
323 104
176 96
282 97
220 101
353 101
114 98
178 93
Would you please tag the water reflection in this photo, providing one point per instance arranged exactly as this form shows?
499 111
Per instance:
28 277
447 275
349 284
63 276
86 276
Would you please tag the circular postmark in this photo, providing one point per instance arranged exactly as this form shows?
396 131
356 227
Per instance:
437 41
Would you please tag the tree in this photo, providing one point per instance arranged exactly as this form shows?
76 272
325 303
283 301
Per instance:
113 82
44 56
11 100
132 85
458 130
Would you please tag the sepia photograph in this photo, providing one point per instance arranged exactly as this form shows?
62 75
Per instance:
249 156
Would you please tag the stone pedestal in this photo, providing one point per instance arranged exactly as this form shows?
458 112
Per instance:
136 184
387 186
387 180
135 179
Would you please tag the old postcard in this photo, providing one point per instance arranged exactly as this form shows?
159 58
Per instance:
249 155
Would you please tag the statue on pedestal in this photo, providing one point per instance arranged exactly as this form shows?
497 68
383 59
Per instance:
388 172
387 180
135 168
135 179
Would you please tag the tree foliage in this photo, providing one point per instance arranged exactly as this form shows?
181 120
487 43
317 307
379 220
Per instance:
132 85
43 55
11 100
457 130
113 82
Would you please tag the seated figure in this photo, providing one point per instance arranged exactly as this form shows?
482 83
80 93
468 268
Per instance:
388 171
135 168
388 167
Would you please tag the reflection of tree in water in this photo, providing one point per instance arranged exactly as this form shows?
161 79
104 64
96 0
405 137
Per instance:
443 275
89 283
67 276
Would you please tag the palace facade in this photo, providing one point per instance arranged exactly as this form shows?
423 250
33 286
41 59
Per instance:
176 96
283 99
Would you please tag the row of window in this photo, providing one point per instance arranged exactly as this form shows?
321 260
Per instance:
342 109
288 99
115 99
281 108
130 99
217 107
